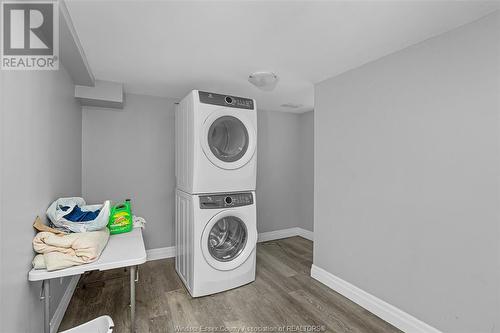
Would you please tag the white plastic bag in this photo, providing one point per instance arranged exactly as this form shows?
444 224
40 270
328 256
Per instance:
103 324
56 214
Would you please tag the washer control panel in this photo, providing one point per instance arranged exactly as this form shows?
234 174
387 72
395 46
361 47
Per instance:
226 200
226 100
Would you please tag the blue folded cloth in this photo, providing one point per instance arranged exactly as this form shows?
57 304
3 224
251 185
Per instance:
77 215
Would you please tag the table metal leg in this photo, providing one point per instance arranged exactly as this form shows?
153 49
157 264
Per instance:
132 298
46 305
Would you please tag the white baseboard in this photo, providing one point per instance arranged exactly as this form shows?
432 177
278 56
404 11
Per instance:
277 234
169 252
161 253
398 318
285 233
63 304
306 234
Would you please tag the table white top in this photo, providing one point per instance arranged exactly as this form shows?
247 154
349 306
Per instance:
122 250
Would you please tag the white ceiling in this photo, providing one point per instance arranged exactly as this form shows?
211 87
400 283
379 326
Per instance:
167 48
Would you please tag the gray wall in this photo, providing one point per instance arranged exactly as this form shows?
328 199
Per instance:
278 171
407 160
40 157
306 175
129 153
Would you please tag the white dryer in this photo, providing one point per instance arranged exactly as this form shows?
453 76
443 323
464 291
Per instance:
216 143
216 237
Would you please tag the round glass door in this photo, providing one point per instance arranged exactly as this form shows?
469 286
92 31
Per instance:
227 238
228 139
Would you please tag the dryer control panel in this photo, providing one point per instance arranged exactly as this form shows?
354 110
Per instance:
226 200
226 100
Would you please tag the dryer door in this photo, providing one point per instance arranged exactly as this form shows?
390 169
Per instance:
228 138
227 240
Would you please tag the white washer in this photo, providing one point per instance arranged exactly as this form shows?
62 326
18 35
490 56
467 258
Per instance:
216 143
216 237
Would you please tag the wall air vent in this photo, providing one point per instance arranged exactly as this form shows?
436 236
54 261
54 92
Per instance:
291 105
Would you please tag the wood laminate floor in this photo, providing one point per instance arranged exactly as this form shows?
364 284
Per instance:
283 294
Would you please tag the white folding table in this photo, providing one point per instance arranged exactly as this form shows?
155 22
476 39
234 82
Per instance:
122 250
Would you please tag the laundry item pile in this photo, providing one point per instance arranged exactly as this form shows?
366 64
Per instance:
78 234
58 251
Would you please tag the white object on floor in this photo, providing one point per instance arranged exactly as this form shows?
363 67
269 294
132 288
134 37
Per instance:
102 324
122 250
225 225
216 143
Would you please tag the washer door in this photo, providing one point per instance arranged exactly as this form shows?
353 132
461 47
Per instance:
228 140
227 240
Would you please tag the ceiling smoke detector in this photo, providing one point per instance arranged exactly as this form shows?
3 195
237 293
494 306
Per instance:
291 105
264 80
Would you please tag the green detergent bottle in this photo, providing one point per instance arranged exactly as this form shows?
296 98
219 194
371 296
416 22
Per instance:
120 218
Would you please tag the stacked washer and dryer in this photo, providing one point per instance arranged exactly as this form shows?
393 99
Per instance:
215 214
